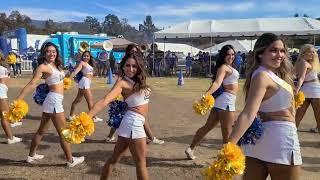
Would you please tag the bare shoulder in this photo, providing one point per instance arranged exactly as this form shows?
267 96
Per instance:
261 79
226 68
42 68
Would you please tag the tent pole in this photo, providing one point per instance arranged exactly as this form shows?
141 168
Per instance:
153 55
210 55
314 40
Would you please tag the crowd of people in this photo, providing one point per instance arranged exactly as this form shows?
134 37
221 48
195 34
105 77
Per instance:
269 90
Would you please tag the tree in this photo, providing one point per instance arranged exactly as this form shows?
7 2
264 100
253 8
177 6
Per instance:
148 25
3 22
93 24
148 29
296 15
112 25
49 26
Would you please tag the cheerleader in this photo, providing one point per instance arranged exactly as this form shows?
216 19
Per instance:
269 94
131 134
225 77
50 70
86 67
306 68
151 138
4 78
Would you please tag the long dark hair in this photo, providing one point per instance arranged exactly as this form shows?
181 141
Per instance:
91 61
3 61
42 57
139 78
263 42
221 58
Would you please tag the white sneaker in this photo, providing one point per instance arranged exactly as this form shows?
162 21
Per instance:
189 153
157 141
96 119
16 124
110 139
70 118
14 140
75 161
35 157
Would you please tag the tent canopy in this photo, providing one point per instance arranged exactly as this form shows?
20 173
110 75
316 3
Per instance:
118 43
243 46
174 47
242 27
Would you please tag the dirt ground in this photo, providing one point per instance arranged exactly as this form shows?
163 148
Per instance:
172 119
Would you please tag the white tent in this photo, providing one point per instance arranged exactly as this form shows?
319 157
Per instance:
243 46
31 39
242 27
184 48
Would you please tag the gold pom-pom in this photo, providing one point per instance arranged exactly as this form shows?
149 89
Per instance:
67 83
17 110
299 99
230 162
119 98
80 127
204 105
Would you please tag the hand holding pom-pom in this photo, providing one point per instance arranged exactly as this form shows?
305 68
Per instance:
67 83
299 99
41 93
17 110
253 133
76 130
230 162
204 105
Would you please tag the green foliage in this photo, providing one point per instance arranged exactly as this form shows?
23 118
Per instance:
112 26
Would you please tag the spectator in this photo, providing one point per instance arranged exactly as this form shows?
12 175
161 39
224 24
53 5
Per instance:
189 60
18 65
12 59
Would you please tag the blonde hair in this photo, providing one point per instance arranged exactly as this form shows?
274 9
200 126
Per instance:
285 69
315 61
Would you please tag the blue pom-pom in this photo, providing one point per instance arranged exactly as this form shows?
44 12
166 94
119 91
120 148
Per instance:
218 92
116 112
41 93
253 133
78 77
71 68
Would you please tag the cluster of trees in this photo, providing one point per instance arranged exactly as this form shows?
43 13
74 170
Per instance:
111 25
16 20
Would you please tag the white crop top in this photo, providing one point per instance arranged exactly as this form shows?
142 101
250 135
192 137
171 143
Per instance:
4 73
87 69
138 98
232 78
56 77
283 97
311 76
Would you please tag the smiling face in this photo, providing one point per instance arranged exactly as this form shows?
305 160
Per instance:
273 55
309 54
50 54
130 68
229 58
86 57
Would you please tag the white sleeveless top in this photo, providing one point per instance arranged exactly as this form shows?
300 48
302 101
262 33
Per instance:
4 73
311 76
88 69
138 98
232 78
56 77
283 97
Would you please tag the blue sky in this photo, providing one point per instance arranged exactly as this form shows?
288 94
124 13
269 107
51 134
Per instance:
164 13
